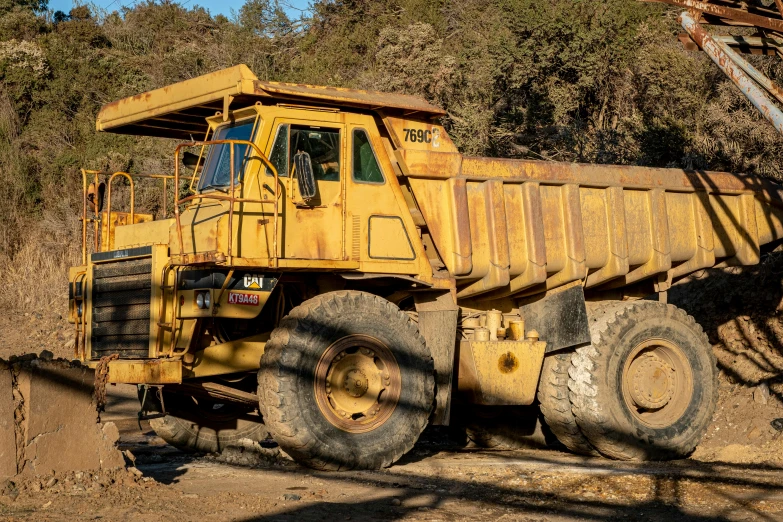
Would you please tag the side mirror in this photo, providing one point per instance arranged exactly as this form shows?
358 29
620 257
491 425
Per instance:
190 160
305 179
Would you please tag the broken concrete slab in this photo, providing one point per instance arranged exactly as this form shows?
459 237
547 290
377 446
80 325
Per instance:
7 434
54 426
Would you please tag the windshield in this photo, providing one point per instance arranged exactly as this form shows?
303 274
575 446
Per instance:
217 170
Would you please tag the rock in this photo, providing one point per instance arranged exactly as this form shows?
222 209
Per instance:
396 502
761 393
291 496
129 457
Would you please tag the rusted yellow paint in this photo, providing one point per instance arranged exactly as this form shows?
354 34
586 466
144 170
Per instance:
142 234
152 371
500 373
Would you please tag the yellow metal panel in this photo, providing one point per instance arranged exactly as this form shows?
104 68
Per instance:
388 239
527 244
638 227
566 235
660 260
230 357
595 223
705 252
770 222
444 205
142 234
724 211
148 371
351 97
119 220
489 238
617 240
682 225
209 88
411 135
500 373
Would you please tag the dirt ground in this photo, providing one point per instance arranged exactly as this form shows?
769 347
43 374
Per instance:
735 474
437 481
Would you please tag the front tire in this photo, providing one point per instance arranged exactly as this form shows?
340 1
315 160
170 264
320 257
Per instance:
346 382
646 388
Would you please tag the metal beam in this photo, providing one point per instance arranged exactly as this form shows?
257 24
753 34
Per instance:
767 22
729 65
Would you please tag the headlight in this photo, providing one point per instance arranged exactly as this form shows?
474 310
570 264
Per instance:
203 300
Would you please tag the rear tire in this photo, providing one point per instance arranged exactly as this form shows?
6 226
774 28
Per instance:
646 388
556 405
197 426
346 382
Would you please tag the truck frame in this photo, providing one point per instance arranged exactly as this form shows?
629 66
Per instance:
333 272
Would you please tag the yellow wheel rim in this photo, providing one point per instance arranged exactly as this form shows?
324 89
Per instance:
357 383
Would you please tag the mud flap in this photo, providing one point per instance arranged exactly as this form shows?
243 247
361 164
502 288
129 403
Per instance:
438 325
559 317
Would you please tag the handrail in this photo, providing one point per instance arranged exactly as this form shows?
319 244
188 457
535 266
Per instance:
96 174
230 197
108 203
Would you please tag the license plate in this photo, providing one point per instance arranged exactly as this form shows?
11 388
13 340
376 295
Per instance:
242 298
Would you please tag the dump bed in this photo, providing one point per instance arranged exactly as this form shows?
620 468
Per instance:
507 227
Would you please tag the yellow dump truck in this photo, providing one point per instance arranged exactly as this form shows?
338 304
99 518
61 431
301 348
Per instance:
328 268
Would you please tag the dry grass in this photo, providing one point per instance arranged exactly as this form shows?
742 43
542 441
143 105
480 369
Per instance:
35 280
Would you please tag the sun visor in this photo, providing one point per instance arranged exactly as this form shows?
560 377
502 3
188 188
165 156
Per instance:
179 110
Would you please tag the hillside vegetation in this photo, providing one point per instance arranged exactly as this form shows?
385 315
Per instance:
565 80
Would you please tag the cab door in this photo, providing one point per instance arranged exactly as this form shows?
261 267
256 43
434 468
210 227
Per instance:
312 229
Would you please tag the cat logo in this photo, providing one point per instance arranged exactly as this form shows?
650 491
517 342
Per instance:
254 282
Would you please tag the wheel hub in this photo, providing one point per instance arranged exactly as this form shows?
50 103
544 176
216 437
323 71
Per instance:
357 383
657 382
652 382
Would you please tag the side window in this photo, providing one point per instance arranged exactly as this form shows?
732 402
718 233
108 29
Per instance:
365 164
323 146
279 155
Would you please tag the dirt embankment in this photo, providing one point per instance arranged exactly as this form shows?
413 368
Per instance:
741 310
48 421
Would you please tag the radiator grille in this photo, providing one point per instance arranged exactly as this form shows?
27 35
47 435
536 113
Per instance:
121 308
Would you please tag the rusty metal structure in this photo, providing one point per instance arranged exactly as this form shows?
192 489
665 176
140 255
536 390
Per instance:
336 243
765 18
